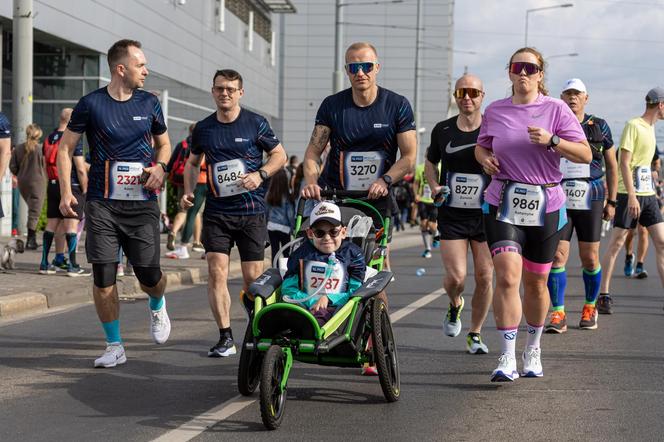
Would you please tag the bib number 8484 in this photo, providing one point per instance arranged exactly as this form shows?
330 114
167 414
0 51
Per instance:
228 177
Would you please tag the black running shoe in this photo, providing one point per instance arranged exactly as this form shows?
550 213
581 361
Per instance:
225 347
604 304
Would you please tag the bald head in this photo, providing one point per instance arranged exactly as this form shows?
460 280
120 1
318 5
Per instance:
65 115
469 80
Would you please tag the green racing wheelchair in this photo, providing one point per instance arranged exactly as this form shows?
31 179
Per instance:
280 332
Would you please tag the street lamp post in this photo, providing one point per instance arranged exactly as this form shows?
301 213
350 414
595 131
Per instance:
528 11
572 54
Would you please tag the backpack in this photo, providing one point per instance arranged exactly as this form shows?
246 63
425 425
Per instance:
176 176
401 194
51 157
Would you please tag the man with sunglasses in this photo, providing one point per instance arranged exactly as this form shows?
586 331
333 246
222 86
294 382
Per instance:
637 199
233 141
584 187
366 126
460 217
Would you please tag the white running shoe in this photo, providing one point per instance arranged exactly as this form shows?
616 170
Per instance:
532 363
452 321
160 324
506 370
114 355
180 252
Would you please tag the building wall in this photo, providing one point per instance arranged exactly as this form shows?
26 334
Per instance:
308 58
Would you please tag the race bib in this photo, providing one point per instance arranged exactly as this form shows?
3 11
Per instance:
226 177
522 204
466 190
123 181
360 169
314 274
572 170
643 179
578 194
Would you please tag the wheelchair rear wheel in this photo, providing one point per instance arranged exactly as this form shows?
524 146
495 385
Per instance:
273 397
249 371
385 351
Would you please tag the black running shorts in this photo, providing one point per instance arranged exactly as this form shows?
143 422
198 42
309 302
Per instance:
587 223
455 223
427 212
649 215
53 200
222 232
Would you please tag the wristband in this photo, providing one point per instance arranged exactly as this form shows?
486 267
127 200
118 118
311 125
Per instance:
611 203
163 166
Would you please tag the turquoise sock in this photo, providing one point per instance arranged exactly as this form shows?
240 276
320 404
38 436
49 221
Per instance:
557 283
591 282
156 303
46 246
112 330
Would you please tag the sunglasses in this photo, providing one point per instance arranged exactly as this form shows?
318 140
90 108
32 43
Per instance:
366 66
320 233
530 68
460 93
220 89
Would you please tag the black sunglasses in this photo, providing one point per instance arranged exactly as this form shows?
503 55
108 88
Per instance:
530 68
320 233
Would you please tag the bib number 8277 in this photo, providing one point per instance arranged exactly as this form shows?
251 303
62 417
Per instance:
523 204
363 169
226 177
466 190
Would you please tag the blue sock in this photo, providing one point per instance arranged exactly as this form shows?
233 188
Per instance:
46 247
591 282
71 249
156 303
112 330
59 258
557 283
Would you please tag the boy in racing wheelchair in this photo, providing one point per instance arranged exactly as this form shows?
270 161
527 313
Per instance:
323 273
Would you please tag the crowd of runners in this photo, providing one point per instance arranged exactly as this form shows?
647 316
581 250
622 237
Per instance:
510 185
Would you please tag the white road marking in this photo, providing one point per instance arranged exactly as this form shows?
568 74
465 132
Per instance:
210 418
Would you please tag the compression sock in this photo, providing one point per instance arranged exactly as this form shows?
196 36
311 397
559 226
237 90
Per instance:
426 237
156 303
508 339
534 335
226 332
48 240
557 283
112 330
591 282
72 242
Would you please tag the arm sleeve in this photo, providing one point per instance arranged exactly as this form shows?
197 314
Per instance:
405 117
78 122
158 124
267 140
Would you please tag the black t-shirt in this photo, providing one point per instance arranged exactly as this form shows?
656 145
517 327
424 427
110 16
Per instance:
455 150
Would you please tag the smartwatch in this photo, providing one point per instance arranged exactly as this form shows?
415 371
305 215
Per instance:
612 203
554 141
263 174
387 179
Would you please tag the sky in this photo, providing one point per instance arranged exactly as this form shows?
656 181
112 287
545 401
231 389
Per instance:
620 46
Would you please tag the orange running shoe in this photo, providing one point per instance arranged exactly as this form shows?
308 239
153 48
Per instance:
557 323
588 318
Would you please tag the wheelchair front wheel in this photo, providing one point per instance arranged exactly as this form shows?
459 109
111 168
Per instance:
273 397
385 351
249 370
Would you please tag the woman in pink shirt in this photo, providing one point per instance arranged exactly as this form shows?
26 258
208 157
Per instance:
521 141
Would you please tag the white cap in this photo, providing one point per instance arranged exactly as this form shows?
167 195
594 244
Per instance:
326 211
576 84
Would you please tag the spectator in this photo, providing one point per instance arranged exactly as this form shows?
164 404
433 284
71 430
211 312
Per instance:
175 170
291 168
280 212
403 193
27 163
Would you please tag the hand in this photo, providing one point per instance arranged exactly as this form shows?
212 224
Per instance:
417 198
491 165
66 202
321 304
187 201
633 206
155 179
538 135
609 212
378 189
251 181
311 192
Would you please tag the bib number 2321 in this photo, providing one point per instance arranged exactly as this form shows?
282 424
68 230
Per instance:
125 181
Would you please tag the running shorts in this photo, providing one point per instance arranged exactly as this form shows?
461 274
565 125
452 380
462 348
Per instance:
587 223
53 200
222 232
427 212
649 215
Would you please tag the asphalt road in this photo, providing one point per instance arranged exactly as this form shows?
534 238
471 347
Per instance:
606 384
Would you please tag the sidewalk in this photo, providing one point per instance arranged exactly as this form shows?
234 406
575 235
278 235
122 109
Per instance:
24 291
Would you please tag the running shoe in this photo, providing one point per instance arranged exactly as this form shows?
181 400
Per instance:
474 344
604 304
369 370
640 272
426 254
114 355
506 370
74 271
435 244
120 272
180 252
532 364
197 247
452 321
557 322
170 241
225 347
588 318
129 270
62 265
48 269
160 324
629 265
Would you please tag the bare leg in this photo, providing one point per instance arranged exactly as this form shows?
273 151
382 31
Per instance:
218 295
618 236
483 294
106 303
507 308
656 231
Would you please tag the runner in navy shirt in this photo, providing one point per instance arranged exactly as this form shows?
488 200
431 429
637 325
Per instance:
233 141
366 125
5 149
121 122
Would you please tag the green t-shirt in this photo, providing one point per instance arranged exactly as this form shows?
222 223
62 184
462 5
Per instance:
638 137
423 189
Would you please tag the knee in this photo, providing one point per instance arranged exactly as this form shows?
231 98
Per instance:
590 260
104 274
148 276
560 258
455 281
507 280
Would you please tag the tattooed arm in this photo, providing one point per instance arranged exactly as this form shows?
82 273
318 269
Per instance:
312 156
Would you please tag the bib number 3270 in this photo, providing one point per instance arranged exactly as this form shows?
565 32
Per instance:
360 169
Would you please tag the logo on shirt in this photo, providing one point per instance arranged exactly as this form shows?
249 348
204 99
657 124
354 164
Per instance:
240 140
537 116
123 168
139 118
452 149
380 125
318 269
521 190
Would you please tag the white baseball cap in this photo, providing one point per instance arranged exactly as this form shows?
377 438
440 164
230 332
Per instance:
326 211
576 84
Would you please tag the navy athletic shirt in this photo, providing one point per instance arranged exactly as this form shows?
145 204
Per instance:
599 136
5 132
232 149
53 138
363 140
117 131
